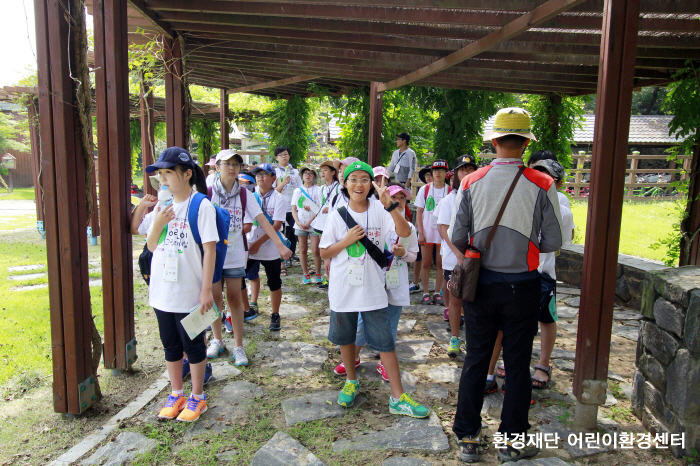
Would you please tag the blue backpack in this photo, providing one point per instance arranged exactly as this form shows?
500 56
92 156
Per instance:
223 222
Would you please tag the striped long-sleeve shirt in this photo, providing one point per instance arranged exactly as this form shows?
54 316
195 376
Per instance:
531 222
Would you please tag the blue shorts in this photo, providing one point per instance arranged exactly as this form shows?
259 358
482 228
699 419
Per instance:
394 316
237 272
252 270
377 329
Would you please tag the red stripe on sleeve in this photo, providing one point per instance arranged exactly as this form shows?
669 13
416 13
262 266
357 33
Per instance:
476 176
533 257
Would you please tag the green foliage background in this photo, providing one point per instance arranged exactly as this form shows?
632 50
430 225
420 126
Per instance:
289 124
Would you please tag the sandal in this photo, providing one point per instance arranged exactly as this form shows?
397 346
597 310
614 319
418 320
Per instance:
283 272
538 383
501 371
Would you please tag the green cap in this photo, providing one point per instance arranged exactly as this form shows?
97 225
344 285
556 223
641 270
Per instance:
355 166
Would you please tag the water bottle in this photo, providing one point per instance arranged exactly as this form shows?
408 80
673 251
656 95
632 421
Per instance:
165 197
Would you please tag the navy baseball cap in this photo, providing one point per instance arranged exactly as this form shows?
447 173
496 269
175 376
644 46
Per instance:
265 167
170 157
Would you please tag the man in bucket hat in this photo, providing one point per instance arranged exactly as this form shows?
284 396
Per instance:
508 292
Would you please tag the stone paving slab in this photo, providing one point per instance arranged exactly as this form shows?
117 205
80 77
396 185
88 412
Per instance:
29 276
292 311
25 268
493 402
127 446
567 312
573 450
420 309
445 373
573 302
626 331
551 461
439 331
406 325
404 436
405 461
562 296
320 332
314 406
556 353
283 450
627 315
231 404
568 290
413 350
291 358
571 328
436 391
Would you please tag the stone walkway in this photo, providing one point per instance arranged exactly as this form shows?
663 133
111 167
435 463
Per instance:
290 379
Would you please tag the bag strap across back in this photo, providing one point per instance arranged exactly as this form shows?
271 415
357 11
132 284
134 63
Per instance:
503 207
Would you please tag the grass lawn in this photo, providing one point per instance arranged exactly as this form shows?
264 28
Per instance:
642 225
18 194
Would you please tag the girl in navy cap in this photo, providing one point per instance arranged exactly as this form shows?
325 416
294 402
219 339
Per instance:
181 278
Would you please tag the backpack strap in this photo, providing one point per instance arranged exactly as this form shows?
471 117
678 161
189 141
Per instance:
375 253
193 215
426 192
210 192
243 194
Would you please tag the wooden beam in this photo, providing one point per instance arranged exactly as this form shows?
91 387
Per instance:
281 82
374 151
152 18
532 19
608 165
33 120
223 120
175 98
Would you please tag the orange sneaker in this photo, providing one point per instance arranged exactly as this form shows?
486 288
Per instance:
195 408
173 406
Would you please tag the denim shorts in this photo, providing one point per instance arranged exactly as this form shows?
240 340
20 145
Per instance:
343 329
394 316
305 233
237 272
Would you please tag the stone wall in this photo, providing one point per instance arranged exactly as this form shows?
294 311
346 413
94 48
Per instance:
666 385
631 273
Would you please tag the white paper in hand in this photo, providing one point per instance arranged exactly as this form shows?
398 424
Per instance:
306 202
196 322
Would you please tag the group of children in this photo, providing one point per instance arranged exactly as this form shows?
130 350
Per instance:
356 222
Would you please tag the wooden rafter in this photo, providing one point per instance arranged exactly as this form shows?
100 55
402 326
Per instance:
152 18
267 85
532 19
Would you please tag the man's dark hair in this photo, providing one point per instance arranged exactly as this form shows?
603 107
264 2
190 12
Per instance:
405 136
280 149
512 141
541 155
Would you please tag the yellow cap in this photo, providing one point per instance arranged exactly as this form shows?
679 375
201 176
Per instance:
511 120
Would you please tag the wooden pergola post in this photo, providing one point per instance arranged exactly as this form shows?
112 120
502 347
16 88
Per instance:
175 99
112 102
33 116
63 178
147 134
615 83
223 120
690 250
375 125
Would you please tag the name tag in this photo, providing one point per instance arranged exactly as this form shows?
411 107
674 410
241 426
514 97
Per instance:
356 272
171 266
392 277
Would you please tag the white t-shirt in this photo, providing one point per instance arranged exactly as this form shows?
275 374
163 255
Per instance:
444 214
548 260
401 296
328 192
236 255
176 241
303 215
289 188
429 227
275 206
371 296
211 178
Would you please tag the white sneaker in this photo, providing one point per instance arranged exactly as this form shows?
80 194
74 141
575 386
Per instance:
239 356
216 347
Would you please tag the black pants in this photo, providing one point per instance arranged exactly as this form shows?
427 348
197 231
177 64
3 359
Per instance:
513 308
289 232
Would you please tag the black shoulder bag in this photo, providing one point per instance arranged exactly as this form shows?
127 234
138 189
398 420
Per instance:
382 258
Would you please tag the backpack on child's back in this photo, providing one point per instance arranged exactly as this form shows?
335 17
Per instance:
223 223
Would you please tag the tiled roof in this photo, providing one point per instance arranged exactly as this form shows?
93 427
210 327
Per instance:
647 129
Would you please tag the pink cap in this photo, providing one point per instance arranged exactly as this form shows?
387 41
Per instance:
348 160
212 162
381 171
398 189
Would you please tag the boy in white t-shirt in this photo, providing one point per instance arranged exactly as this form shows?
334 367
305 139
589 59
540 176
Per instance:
464 165
427 199
261 250
287 181
227 193
304 199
